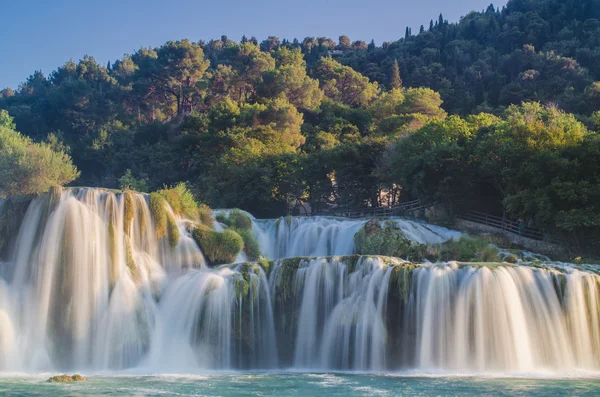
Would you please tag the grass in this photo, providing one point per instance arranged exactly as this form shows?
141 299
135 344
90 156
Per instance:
219 248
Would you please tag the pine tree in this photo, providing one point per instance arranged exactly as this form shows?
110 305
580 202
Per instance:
395 79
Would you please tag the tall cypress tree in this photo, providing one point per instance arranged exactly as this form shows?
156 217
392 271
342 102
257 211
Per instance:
395 79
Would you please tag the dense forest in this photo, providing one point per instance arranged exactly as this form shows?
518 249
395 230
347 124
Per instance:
498 112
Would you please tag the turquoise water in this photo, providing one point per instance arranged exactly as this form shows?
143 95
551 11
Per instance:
297 384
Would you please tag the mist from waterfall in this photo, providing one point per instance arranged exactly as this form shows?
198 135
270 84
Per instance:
86 284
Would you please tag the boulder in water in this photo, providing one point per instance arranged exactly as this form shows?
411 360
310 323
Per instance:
67 378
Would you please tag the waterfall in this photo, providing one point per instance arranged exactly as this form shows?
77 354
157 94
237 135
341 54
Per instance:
87 284
327 236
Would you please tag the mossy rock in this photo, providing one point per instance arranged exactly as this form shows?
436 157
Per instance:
173 230
241 223
12 212
389 240
205 215
266 264
129 210
469 249
158 210
251 246
219 248
67 379
130 261
236 219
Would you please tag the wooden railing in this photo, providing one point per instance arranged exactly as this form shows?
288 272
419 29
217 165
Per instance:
508 225
410 206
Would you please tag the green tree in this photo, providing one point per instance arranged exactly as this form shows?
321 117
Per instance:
27 167
343 84
395 80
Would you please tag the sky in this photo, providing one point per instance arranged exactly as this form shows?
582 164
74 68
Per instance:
44 34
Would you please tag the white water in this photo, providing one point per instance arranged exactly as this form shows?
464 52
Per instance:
70 300
327 236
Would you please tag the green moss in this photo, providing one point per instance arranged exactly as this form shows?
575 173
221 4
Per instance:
129 211
251 246
219 248
236 219
222 218
182 202
142 216
205 215
173 230
389 240
288 220
352 262
159 214
66 379
265 264
172 198
245 283
469 249
130 261
239 220
112 241
401 279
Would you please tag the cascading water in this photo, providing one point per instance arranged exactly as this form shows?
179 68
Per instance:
328 236
86 283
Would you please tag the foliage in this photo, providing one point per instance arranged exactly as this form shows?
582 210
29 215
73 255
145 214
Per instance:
27 167
468 249
158 209
219 248
389 240
236 219
241 223
266 126
128 181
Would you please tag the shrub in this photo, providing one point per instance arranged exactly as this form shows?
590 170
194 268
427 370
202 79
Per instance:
265 264
219 248
27 167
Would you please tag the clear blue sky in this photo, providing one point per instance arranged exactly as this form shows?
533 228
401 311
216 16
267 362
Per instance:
44 34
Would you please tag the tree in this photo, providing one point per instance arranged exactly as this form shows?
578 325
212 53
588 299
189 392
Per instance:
174 72
343 84
344 43
395 80
290 79
27 167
